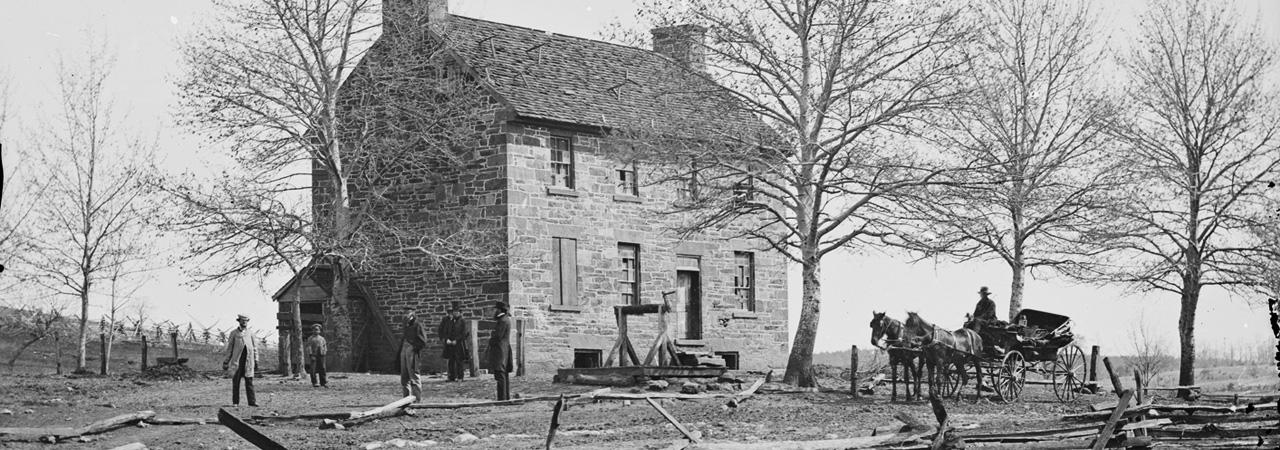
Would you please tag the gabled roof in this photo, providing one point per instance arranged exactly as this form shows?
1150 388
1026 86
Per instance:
548 76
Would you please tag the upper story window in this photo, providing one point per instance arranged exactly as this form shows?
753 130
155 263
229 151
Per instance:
627 181
687 186
744 191
744 279
629 277
561 162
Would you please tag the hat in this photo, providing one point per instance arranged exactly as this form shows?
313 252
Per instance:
500 305
455 306
983 290
241 317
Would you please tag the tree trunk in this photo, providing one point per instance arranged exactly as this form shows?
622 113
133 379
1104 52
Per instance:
1015 288
84 329
340 326
1186 334
800 362
298 361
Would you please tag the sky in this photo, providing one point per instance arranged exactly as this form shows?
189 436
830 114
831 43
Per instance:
145 33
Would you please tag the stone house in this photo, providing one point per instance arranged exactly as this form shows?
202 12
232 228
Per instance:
585 234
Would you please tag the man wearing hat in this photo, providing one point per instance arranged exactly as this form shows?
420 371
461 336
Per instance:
316 348
241 348
453 332
500 350
411 344
985 312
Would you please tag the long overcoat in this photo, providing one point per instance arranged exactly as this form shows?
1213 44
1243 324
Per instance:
239 341
457 330
500 344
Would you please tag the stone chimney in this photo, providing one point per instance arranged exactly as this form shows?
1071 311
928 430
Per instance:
433 12
684 43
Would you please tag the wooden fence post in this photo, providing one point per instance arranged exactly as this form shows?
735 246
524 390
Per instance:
853 371
57 344
102 349
473 326
1115 379
144 353
173 339
1137 385
520 347
1093 369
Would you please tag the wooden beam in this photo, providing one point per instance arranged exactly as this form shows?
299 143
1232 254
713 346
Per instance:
61 433
247 432
398 404
826 444
375 309
520 329
555 421
1115 378
158 420
473 326
1101 441
1137 385
133 446
853 371
674 422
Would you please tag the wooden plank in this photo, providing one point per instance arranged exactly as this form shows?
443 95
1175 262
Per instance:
247 432
649 371
826 444
555 421
474 331
158 420
853 371
740 397
1118 442
1115 379
519 347
1149 423
60 433
132 446
673 421
398 404
1101 441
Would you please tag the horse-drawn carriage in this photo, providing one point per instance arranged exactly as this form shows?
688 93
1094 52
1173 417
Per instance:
1038 342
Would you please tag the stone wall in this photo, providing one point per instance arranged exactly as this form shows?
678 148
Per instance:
599 219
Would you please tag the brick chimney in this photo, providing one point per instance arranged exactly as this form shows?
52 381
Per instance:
684 43
433 12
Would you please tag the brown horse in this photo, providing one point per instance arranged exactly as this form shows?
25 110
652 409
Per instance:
902 352
942 348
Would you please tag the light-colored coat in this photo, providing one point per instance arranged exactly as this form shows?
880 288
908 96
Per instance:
237 341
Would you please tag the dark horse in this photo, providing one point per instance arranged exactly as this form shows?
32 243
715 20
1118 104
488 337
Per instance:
942 348
901 353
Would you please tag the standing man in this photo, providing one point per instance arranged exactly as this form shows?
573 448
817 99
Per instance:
411 343
500 350
456 337
316 348
241 348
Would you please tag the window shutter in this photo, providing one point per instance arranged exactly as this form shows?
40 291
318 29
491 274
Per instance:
569 271
557 271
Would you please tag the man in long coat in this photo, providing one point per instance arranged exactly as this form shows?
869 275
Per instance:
500 350
456 337
242 350
411 344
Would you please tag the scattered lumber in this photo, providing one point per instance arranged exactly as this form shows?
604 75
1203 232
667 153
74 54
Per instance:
1116 442
393 409
133 446
692 438
333 415
62 433
247 432
516 401
555 421
827 444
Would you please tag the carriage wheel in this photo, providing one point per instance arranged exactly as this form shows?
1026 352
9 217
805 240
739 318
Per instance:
1068 373
947 380
1011 376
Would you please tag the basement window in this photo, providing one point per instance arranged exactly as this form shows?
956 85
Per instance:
730 359
586 358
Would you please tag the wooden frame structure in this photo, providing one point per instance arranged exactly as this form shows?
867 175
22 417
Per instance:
663 347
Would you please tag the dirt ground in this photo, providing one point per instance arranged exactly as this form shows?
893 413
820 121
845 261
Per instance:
76 401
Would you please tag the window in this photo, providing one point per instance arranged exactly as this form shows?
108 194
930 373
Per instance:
586 358
561 162
629 279
744 280
564 255
627 182
744 191
687 189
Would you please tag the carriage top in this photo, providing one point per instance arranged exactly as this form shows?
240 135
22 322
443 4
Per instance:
1037 334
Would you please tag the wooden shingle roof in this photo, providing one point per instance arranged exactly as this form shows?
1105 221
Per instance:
548 76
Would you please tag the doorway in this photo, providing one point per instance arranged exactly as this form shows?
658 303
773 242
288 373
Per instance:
689 294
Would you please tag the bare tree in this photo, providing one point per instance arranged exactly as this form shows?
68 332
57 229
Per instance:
840 86
1149 351
92 214
122 292
1203 138
1035 122
272 80
32 325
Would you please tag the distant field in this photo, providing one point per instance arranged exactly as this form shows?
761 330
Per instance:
126 356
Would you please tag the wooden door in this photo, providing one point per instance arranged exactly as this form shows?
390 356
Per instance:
690 298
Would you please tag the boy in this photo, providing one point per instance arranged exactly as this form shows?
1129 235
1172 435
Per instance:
315 354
